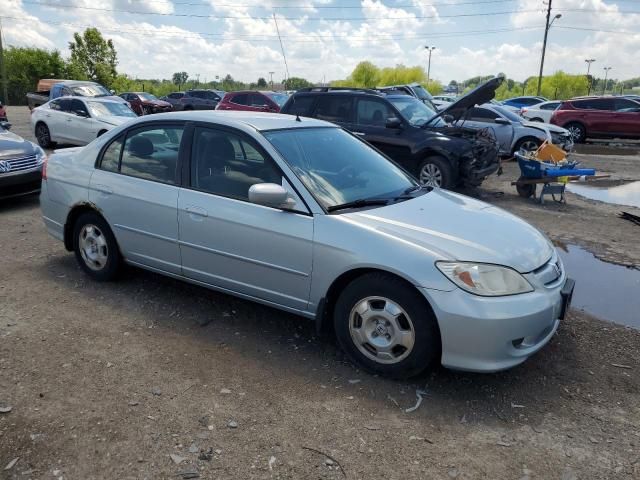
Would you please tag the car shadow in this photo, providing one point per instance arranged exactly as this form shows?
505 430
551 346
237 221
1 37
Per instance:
19 202
277 341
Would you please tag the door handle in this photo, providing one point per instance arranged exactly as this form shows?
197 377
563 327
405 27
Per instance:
48 115
193 210
360 134
103 189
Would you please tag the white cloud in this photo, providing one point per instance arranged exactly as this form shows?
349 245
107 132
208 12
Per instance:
22 29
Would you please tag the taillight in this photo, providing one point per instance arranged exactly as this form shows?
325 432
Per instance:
44 167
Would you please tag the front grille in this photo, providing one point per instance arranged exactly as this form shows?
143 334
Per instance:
550 272
23 163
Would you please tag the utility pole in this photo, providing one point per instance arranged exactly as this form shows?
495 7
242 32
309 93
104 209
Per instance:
284 57
430 49
271 73
3 70
544 43
589 62
606 74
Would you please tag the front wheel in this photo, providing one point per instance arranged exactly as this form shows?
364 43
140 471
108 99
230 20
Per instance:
577 131
386 326
528 144
95 247
44 136
436 171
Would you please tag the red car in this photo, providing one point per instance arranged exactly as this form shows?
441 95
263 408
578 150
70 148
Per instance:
145 103
599 117
3 113
253 101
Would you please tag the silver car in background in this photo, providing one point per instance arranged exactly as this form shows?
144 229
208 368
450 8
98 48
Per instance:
301 215
513 132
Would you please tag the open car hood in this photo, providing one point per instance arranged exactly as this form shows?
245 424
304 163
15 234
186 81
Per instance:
481 94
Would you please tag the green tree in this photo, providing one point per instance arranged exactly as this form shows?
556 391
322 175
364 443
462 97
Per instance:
25 66
262 83
180 78
93 57
296 83
366 74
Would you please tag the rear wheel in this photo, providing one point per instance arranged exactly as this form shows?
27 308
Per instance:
95 247
101 132
436 171
577 131
386 326
44 136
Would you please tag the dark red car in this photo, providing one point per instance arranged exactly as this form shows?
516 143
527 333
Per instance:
145 103
599 117
253 101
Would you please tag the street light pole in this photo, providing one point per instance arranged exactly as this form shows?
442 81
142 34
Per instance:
271 73
589 62
606 74
544 43
430 49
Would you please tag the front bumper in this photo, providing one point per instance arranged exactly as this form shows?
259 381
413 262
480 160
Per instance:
21 182
488 334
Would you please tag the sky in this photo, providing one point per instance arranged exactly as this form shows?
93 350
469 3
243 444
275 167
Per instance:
324 39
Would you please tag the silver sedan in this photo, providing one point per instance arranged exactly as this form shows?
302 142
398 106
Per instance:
301 215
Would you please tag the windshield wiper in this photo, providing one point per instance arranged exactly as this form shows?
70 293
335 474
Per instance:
361 202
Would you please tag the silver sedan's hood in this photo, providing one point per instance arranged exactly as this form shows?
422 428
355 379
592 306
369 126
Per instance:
113 119
546 127
457 227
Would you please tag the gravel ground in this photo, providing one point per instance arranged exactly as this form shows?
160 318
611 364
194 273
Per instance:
151 378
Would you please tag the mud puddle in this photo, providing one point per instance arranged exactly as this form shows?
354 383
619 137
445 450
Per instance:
627 194
605 290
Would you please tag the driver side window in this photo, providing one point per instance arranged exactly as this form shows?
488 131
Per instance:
481 115
224 164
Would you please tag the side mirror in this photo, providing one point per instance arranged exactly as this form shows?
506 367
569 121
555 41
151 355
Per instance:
393 122
81 113
5 125
502 121
447 118
270 195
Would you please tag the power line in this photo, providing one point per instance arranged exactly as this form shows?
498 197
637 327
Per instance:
329 7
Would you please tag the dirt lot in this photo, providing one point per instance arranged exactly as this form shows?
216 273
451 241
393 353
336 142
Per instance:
108 381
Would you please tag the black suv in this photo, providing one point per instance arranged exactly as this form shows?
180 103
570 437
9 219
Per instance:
408 131
194 99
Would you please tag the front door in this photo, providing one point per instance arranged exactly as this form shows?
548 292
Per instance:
136 189
228 242
371 124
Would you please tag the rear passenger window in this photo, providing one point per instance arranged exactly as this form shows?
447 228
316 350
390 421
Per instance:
334 108
300 105
152 153
111 156
373 112
241 99
549 106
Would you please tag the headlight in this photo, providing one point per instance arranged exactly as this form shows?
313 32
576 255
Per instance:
40 154
485 279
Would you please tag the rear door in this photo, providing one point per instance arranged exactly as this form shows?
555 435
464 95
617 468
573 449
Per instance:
338 109
231 243
81 128
135 187
627 117
57 121
370 123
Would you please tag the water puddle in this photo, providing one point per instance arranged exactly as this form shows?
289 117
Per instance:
627 194
607 291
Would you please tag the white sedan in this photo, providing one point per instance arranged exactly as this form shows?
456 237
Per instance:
541 112
76 120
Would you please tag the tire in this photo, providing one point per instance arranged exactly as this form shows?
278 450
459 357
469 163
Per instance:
395 334
101 132
43 135
95 247
526 190
577 131
526 143
436 171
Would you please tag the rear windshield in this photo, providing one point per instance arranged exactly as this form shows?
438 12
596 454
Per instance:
279 98
90 90
147 96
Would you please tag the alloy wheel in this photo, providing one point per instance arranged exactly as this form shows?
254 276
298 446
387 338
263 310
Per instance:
42 134
575 132
381 330
93 247
529 146
431 175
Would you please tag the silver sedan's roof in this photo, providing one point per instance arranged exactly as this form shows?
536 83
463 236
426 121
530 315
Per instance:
257 120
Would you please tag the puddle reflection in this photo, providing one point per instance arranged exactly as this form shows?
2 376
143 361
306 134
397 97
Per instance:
607 291
628 194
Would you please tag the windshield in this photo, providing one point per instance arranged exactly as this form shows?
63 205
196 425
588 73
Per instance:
507 114
421 92
414 111
338 168
104 109
147 96
279 98
90 90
